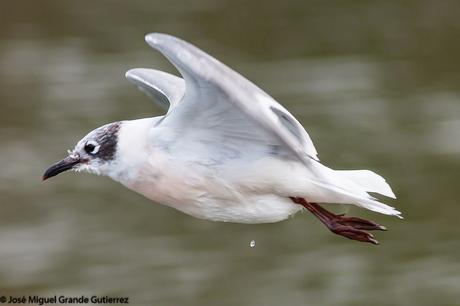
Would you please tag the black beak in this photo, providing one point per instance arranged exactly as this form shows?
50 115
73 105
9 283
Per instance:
66 164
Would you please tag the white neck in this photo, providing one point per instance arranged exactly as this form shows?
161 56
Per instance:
132 147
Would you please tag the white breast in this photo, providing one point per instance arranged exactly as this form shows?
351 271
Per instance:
198 194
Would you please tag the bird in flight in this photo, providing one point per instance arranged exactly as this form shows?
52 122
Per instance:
224 151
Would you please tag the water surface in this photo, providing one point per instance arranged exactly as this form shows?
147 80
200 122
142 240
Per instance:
376 84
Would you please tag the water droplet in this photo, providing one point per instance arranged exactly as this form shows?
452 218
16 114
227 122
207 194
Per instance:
252 243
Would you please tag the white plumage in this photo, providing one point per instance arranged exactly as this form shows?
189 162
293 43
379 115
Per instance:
226 150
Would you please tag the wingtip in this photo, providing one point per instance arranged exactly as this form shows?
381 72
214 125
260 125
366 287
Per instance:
133 73
150 37
155 38
129 74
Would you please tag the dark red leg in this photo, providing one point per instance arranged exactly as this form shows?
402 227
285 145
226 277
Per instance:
350 227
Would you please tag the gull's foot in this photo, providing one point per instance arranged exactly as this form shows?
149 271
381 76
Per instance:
350 232
349 227
359 223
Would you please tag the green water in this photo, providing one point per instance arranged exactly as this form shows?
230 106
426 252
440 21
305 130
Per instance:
376 84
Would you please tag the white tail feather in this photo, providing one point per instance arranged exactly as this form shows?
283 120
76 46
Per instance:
369 181
346 196
379 207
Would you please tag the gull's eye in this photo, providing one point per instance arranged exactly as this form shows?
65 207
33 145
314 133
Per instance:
92 147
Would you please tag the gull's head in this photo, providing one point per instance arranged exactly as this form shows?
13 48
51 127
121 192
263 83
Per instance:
95 153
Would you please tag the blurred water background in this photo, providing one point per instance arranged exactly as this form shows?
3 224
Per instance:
376 84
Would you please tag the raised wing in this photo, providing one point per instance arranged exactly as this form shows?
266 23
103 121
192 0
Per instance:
224 106
164 88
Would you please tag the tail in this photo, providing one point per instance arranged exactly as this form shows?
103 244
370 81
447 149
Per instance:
379 207
371 182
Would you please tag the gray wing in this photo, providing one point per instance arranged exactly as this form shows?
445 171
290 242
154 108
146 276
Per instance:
222 108
164 88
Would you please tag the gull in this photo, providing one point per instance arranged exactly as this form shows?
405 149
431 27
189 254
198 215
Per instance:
225 151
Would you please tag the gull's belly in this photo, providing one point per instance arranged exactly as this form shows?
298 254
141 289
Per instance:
252 196
253 209
214 199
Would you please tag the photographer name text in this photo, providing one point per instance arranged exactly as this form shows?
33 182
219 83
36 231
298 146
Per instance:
63 299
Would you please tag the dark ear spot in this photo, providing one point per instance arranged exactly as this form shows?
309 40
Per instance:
108 139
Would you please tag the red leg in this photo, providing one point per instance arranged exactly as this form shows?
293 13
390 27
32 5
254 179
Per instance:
350 227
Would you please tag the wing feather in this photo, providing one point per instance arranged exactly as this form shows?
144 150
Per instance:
164 88
209 81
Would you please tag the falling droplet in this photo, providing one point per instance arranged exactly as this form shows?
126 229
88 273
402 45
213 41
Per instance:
252 243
